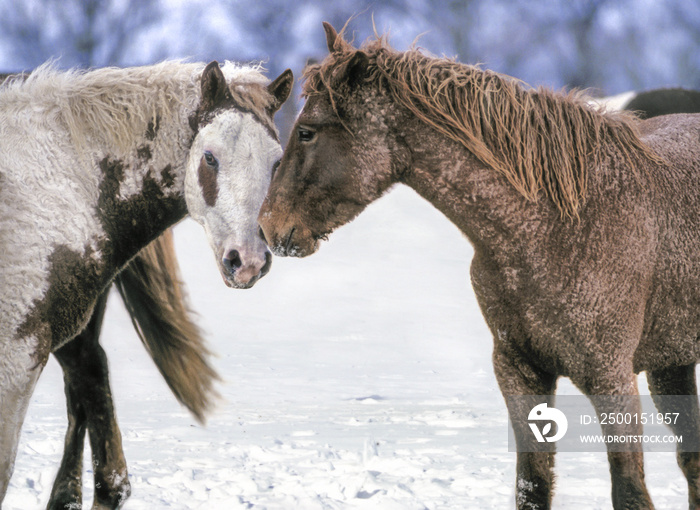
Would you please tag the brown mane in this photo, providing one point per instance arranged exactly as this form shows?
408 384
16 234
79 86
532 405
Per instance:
538 139
256 99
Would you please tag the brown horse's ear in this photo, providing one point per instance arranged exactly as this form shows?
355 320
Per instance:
280 89
357 68
214 86
331 36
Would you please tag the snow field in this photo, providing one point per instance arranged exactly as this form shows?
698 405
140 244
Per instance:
358 378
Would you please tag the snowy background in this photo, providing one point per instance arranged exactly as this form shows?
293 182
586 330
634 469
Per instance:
357 378
360 377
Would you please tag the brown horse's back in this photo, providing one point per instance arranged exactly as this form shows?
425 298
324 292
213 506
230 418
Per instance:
672 321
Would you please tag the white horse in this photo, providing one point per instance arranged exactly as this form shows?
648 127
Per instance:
95 165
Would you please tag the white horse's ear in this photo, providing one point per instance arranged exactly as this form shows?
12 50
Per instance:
280 89
331 36
214 86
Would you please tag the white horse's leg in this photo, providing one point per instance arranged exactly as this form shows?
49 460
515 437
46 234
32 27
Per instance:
21 363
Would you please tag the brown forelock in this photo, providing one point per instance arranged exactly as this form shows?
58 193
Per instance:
537 138
245 97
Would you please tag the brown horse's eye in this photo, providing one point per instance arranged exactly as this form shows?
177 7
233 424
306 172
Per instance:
211 160
305 135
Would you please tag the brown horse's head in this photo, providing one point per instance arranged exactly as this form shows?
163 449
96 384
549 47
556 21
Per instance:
342 154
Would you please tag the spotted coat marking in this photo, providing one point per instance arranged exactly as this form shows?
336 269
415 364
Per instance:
207 178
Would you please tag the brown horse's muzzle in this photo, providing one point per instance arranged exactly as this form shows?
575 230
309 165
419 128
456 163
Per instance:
288 238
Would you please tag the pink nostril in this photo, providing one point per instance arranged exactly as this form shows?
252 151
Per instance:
232 261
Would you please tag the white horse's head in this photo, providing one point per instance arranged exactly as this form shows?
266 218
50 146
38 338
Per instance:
230 165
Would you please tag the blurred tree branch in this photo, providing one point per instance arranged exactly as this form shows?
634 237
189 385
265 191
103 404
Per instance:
80 32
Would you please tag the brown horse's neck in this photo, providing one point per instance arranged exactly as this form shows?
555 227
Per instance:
477 199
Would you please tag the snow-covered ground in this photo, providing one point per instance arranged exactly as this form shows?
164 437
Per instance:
357 378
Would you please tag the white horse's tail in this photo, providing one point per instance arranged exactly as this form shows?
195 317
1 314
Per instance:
152 292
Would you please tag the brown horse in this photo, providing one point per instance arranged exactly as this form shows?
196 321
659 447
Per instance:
584 224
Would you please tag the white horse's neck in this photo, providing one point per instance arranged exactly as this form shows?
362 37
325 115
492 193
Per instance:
131 132
142 160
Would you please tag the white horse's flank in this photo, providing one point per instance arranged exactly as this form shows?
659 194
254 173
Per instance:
94 165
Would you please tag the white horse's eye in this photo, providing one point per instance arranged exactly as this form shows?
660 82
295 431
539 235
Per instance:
211 160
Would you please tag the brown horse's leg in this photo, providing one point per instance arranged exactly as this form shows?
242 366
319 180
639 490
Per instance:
534 470
90 404
681 381
627 472
629 491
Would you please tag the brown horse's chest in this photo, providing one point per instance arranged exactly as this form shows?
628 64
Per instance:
561 318
672 324
514 311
